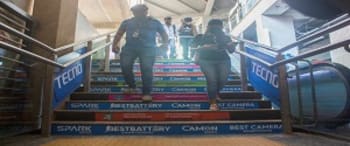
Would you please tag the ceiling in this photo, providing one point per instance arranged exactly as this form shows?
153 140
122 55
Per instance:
105 14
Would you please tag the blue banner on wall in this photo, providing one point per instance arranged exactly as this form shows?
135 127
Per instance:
68 79
261 77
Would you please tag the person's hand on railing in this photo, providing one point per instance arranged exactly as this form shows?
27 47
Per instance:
231 47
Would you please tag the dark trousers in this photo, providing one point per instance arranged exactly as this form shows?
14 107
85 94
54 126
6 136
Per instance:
127 61
186 43
216 74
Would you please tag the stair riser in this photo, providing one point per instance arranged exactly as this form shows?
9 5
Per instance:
121 79
167 116
166 129
166 89
161 66
156 97
14 107
163 84
168 106
157 63
186 70
164 97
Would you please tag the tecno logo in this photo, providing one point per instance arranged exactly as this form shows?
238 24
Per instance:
265 74
75 129
68 76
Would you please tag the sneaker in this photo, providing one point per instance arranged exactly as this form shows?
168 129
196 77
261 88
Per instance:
129 90
218 98
147 98
214 107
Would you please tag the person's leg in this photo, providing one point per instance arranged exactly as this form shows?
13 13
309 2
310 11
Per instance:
184 44
208 68
223 69
190 40
146 64
127 61
172 47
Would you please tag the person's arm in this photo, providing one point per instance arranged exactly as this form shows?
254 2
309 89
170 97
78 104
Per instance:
230 45
120 33
163 35
194 29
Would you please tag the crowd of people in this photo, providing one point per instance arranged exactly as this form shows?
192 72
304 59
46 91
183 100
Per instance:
210 50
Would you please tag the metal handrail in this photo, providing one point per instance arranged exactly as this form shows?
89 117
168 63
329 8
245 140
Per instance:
25 52
50 49
82 42
12 41
299 57
312 53
254 58
13 9
10 69
26 37
331 26
255 44
43 59
86 54
14 60
339 23
45 46
14 22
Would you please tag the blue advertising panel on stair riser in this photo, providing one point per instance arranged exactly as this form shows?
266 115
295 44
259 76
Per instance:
68 80
261 77
167 129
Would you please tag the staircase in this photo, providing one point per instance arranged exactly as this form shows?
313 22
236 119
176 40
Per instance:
180 106
16 110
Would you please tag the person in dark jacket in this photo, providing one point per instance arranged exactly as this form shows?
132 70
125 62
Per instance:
212 49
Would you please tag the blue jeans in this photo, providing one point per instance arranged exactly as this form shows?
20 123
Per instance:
127 60
186 43
216 74
172 47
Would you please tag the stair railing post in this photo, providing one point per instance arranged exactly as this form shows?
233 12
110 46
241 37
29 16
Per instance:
48 95
107 53
88 63
244 81
284 96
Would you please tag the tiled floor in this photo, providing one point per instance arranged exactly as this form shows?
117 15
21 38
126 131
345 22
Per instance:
246 140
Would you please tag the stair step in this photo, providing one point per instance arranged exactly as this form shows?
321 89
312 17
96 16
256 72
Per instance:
159 66
118 77
15 106
108 89
166 128
191 115
16 116
165 96
137 69
164 83
165 105
159 74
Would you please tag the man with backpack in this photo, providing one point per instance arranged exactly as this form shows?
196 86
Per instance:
171 31
187 31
